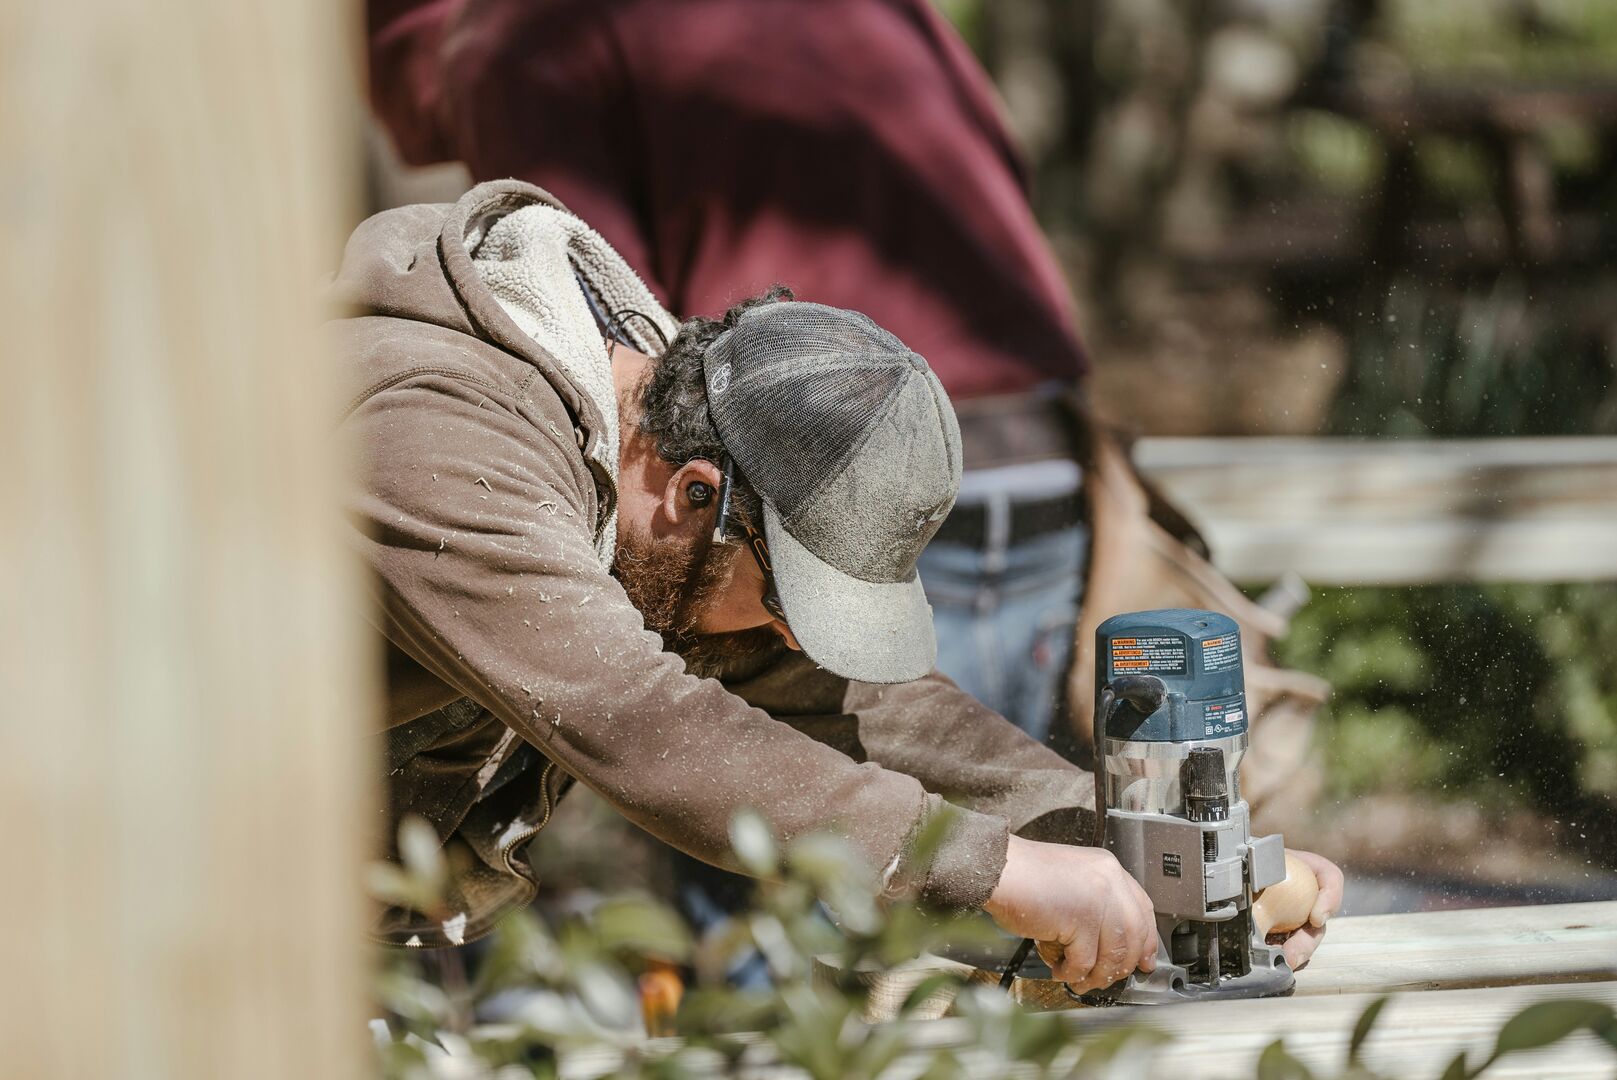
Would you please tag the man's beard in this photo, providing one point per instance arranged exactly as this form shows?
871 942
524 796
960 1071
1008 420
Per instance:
672 584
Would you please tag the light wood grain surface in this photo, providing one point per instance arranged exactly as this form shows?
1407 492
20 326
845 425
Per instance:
182 761
1551 943
1415 1038
1432 950
1387 512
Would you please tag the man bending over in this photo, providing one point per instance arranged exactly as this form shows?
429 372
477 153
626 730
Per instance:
575 507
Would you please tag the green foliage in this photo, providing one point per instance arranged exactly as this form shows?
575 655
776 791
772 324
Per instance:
1497 693
571 991
1276 1063
1536 37
1343 156
1491 363
1361 1029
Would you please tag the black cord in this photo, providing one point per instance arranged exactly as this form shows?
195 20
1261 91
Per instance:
1018 958
623 315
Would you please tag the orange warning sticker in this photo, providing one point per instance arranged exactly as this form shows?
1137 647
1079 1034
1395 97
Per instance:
1167 654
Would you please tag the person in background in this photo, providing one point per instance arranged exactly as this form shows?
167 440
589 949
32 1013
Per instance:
853 149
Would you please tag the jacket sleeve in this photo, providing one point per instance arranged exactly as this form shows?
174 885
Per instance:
934 731
478 528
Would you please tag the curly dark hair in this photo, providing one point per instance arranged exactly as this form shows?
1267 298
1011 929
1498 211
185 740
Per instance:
674 410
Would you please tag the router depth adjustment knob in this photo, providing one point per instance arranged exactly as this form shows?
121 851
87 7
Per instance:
1207 793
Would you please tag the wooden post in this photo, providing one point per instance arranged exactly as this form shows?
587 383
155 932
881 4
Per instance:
182 692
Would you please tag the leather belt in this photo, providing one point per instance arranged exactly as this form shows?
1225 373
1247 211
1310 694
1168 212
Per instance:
1014 429
968 525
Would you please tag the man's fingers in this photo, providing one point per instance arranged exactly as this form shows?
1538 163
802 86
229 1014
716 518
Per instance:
1148 946
1329 876
1148 942
1118 954
1051 953
1068 965
1087 983
1300 945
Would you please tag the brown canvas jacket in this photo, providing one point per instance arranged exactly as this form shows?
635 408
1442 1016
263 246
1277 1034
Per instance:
516 664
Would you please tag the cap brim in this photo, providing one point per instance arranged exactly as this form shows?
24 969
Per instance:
872 632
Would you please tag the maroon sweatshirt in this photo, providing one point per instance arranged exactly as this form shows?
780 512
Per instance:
852 149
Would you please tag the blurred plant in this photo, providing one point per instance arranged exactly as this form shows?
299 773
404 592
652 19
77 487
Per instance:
1484 364
578 991
1500 695
1532 37
1534 1028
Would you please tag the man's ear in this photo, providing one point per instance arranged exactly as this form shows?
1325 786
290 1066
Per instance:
691 497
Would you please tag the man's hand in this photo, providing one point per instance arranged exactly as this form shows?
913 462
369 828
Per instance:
1300 944
1092 921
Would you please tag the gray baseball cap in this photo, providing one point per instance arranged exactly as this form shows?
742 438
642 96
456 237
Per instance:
851 444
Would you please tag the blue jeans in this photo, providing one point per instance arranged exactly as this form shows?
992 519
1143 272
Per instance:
1005 619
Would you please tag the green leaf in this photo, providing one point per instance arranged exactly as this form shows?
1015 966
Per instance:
881 1047
642 926
943 1065
1034 1036
1276 1063
753 843
1361 1030
1100 1050
927 988
519 952
422 854
607 994
1548 1022
1456 1069
932 835
387 883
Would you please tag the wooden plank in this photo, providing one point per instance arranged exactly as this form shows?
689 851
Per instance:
181 745
1345 512
1551 943
1416 1036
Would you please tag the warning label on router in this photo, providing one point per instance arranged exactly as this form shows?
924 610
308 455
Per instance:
1221 653
1167 655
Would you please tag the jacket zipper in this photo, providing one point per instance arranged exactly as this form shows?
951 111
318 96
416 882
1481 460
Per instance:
511 845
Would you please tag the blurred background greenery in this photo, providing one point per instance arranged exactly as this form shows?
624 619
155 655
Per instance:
1375 218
